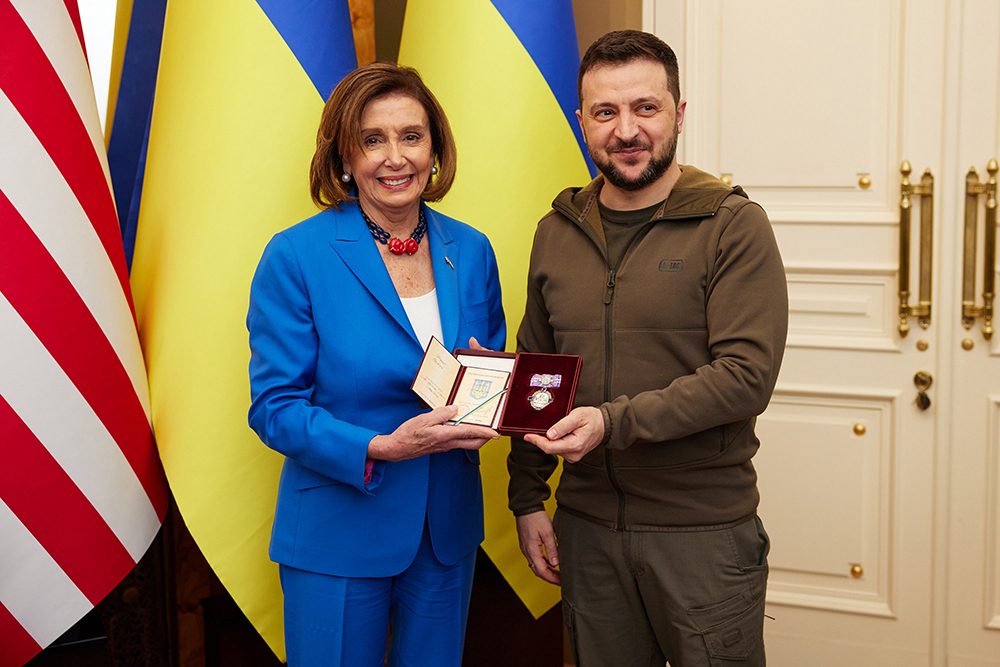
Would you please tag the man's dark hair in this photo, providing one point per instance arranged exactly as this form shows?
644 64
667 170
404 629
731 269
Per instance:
624 46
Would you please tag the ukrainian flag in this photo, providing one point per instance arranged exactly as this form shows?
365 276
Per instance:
505 73
239 95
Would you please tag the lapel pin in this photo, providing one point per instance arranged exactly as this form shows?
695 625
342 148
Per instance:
449 263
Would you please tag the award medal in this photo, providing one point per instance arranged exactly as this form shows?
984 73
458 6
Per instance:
542 397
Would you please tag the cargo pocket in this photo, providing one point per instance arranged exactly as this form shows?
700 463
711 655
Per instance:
751 545
732 630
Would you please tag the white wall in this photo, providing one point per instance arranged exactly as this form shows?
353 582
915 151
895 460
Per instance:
98 18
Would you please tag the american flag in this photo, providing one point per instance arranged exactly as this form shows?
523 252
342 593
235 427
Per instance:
82 492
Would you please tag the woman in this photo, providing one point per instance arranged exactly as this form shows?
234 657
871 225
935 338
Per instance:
379 507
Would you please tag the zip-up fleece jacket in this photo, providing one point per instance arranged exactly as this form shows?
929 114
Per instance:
681 345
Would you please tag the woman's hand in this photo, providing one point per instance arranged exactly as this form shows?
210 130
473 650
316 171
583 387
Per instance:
428 434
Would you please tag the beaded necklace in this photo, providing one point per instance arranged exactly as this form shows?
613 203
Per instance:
397 246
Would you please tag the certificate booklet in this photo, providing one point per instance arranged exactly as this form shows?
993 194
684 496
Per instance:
443 379
480 391
514 394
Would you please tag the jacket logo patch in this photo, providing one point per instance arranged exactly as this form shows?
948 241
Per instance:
672 265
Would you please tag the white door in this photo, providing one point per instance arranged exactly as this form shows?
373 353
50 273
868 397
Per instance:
969 470
883 513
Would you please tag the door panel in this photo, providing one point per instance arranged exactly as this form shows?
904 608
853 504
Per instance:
840 446
798 117
972 531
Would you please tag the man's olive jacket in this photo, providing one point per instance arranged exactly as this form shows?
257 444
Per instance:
681 345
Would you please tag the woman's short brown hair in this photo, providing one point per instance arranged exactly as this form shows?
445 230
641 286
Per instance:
340 130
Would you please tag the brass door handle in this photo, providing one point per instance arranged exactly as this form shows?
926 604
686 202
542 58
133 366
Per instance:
925 190
973 188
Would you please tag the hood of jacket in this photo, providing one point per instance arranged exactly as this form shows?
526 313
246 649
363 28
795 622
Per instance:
696 194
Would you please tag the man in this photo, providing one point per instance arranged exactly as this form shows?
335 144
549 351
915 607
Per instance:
669 284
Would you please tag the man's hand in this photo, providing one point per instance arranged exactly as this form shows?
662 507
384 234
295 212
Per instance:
572 436
538 544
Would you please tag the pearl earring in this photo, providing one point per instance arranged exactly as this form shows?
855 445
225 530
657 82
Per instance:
434 170
346 178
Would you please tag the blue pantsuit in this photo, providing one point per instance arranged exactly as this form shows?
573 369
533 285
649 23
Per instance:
332 359
342 620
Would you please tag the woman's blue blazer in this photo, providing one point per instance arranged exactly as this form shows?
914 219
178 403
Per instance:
332 359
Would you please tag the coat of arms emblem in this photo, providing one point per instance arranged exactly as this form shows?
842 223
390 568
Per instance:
480 389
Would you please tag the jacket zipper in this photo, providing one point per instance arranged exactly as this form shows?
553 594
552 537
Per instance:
609 294
609 462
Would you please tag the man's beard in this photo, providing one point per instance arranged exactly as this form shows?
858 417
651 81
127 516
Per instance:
657 166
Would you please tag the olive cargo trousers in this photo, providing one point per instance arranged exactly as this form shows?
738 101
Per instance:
694 597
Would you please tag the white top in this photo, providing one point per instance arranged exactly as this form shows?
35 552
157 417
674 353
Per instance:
425 317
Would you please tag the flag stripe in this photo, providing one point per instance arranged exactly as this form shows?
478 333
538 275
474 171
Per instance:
123 24
39 291
74 13
36 188
545 31
18 646
130 108
34 590
54 119
316 34
52 508
32 382
55 34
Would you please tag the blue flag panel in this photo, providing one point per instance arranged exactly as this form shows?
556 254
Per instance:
317 33
548 33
